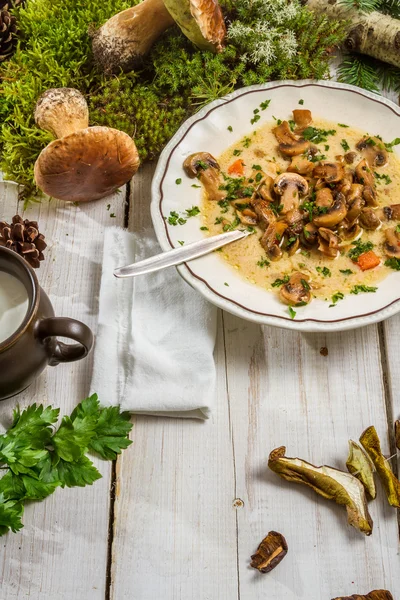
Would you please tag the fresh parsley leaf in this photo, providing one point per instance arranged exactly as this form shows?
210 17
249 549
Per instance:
204 228
230 128
178 181
292 312
11 513
79 473
36 489
111 434
382 177
390 145
265 104
246 142
256 167
342 125
359 289
231 226
174 219
180 242
227 284
73 437
195 186
255 119
301 102
237 152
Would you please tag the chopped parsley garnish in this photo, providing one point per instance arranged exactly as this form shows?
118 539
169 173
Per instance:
390 145
305 284
255 119
230 128
195 186
301 102
362 289
224 205
263 262
204 228
325 272
242 206
345 145
292 312
227 284
342 125
360 248
292 124
175 219
346 271
108 206
393 263
203 165
181 242
313 134
234 186
382 177
265 104
317 158
218 220
326 147
251 229
237 152
232 226
256 167
305 253
192 212
397 228
336 297
178 181
278 282
112 215
258 177
276 209
246 142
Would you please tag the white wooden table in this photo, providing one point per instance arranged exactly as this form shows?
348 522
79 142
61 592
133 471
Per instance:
179 514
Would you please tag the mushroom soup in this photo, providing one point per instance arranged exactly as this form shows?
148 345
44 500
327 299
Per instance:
321 199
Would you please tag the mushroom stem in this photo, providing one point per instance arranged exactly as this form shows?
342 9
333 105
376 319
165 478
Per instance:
125 39
62 111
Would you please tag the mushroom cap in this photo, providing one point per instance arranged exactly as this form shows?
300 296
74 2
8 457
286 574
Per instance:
392 243
87 165
62 109
329 172
297 290
293 180
201 21
374 151
193 163
334 215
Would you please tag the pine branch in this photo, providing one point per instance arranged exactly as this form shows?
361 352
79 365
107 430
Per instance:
369 73
389 7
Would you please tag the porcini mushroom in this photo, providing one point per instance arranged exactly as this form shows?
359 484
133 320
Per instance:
392 243
296 291
84 163
204 166
334 215
290 186
374 151
123 41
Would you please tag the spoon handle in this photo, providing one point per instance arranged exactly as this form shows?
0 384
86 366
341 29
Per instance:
180 255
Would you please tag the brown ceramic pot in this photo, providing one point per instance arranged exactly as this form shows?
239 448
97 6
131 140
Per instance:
34 345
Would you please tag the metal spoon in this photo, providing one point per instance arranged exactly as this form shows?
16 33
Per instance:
180 255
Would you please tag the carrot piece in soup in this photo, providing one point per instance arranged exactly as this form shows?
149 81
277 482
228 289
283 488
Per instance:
236 168
368 260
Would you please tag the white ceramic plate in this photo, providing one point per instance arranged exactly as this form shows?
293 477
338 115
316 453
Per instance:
207 131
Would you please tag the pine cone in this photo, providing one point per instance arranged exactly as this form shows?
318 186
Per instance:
24 238
8 30
10 4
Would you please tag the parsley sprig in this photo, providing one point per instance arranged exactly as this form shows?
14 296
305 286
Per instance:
36 459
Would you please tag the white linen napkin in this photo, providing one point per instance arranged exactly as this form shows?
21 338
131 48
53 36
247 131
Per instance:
156 336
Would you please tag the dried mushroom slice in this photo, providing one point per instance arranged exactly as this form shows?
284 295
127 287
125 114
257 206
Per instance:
397 434
270 552
370 441
361 466
374 595
327 482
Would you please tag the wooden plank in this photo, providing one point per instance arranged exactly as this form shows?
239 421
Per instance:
62 550
284 392
175 524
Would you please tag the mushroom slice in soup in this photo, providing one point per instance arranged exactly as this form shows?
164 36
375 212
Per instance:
206 168
392 243
290 186
334 215
374 151
297 290
329 171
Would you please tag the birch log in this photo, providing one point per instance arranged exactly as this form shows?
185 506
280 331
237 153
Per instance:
375 34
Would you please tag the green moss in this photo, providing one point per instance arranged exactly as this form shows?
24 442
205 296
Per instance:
175 81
